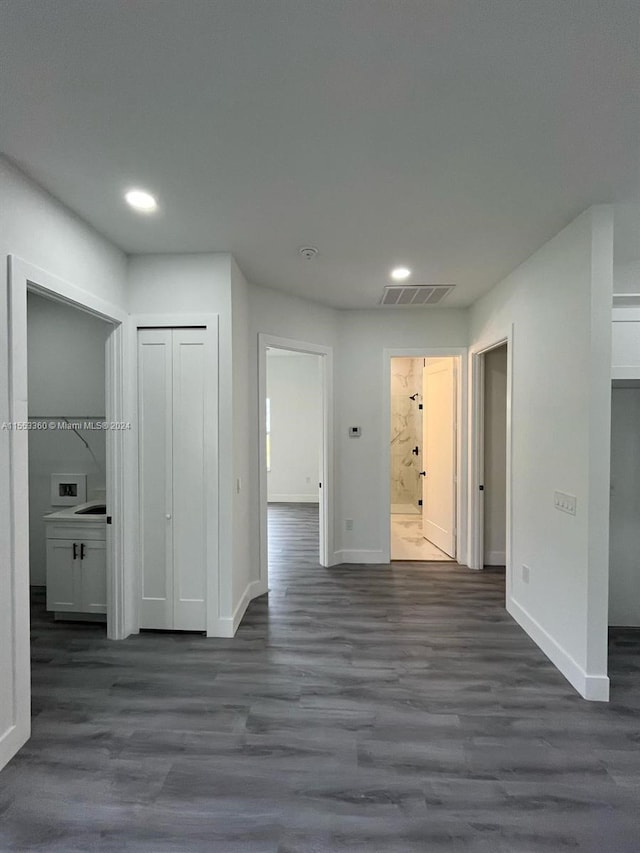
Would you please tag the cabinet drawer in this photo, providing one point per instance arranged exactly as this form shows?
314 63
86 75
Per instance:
77 532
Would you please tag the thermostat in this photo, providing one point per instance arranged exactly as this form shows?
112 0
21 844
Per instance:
354 432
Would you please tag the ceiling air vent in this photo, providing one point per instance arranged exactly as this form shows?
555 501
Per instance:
416 294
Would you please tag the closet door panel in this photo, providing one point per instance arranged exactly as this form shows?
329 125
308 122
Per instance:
189 505
155 425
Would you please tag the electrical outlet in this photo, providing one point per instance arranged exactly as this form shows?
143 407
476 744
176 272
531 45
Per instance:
564 502
525 573
348 524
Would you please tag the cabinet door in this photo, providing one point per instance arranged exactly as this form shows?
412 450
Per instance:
155 483
63 575
189 503
93 572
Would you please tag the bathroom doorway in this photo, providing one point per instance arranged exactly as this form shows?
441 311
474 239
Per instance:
424 458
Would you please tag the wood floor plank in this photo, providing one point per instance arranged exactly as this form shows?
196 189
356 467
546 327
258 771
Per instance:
371 709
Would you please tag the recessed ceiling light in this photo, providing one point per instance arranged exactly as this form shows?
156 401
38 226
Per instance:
141 201
400 273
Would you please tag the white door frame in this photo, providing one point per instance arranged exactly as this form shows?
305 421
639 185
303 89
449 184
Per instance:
476 468
218 541
23 277
326 492
460 353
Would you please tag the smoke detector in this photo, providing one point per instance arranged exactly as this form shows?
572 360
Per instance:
415 294
308 252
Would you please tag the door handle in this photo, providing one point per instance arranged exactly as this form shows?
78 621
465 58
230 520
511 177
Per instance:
75 551
82 551
416 450
423 473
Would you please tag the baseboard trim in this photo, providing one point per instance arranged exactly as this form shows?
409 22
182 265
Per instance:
495 558
353 555
293 499
226 626
595 688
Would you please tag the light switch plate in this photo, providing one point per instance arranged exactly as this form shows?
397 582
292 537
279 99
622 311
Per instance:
564 502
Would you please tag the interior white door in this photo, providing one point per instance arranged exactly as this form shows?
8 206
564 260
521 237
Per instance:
155 425
172 390
439 453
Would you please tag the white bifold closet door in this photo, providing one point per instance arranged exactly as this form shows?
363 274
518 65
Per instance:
171 406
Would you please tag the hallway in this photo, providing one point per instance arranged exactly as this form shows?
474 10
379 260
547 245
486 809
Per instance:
369 709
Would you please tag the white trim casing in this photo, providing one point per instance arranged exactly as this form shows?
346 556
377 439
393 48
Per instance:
460 353
265 341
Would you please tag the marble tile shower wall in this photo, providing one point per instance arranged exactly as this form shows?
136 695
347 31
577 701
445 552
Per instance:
406 432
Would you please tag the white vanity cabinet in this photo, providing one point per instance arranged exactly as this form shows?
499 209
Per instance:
76 562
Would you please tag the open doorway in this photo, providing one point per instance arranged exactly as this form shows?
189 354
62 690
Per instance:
494 493
624 537
490 515
293 456
423 458
295 411
67 463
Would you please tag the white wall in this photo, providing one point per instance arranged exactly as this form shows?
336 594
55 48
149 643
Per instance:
174 285
559 302
624 565
245 541
295 394
283 316
495 456
362 392
36 228
66 361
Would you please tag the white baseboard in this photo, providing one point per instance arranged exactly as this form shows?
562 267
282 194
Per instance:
227 626
495 558
352 555
293 499
592 687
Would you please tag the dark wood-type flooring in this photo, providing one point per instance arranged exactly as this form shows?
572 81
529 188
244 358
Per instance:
371 709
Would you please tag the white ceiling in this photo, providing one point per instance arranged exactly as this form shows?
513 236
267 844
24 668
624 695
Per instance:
452 136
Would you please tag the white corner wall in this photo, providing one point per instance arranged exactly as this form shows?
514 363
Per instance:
36 228
624 562
279 315
559 304
245 585
171 286
295 392
66 362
